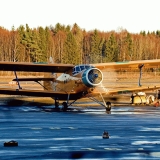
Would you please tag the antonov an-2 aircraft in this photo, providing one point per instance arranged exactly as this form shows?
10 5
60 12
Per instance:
74 82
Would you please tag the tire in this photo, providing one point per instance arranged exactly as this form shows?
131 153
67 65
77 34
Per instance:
108 108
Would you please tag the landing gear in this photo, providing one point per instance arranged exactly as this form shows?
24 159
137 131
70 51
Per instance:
108 106
105 104
56 103
65 106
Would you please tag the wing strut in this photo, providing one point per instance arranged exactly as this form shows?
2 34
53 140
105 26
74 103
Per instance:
41 85
107 105
140 66
17 80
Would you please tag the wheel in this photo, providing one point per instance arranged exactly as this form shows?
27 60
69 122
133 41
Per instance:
108 108
65 106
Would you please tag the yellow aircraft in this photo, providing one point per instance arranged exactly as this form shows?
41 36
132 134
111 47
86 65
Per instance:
74 82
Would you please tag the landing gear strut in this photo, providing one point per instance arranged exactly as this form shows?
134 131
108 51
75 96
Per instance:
65 106
56 103
107 104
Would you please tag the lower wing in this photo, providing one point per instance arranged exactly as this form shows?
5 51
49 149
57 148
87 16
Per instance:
34 79
126 90
46 93
36 93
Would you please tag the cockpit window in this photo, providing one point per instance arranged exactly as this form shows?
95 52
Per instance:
80 68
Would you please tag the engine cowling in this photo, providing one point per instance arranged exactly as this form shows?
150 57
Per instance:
92 77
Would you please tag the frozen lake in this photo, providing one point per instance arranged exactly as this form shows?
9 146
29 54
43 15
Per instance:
77 134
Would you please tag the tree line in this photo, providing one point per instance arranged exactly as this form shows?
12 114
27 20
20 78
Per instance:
73 45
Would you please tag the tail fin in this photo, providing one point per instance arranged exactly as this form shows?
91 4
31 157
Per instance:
51 60
49 85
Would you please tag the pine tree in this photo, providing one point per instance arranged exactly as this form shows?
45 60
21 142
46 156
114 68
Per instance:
70 54
110 49
78 35
96 48
36 53
29 39
42 43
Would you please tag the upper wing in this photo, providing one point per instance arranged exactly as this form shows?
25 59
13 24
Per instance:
128 64
61 68
35 67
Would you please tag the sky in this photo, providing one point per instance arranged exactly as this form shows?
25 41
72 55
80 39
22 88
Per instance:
104 15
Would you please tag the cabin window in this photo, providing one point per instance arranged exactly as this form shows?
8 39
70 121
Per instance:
80 68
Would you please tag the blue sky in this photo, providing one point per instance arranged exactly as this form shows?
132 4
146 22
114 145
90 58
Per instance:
104 15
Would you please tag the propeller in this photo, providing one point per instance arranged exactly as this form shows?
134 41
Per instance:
92 77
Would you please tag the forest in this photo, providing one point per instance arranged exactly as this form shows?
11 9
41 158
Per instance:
73 45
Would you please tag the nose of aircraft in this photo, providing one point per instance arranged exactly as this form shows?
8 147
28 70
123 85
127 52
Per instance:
95 75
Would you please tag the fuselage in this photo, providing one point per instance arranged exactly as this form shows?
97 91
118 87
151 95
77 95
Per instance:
82 79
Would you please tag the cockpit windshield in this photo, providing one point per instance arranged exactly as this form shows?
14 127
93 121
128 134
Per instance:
80 68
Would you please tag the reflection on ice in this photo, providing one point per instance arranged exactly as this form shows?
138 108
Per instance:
145 142
55 128
149 129
97 111
155 154
90 149
78 138
36 128
72 128
114 149
65 138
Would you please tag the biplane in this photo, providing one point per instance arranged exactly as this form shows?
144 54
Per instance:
68 83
